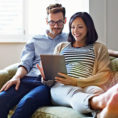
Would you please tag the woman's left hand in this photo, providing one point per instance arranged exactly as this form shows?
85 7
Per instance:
65 79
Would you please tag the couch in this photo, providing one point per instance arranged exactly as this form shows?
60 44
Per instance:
48 111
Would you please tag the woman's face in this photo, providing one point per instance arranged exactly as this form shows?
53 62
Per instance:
79 30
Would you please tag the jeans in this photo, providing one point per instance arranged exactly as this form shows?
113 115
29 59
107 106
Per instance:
31 95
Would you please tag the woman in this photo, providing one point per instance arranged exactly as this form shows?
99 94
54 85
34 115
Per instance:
88 68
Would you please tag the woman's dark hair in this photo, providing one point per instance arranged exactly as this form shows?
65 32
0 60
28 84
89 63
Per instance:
92 35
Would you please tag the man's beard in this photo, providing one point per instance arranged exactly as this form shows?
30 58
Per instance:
53 34
53 31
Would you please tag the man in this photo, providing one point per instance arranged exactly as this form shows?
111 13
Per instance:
25 89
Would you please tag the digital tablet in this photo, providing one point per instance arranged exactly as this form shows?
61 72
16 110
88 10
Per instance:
52 64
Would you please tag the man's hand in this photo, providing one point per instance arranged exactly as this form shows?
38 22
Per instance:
65 79
11 82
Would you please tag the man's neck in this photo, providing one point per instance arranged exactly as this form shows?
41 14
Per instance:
51 35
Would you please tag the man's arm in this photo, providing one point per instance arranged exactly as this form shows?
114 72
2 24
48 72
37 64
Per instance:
113 53
21 72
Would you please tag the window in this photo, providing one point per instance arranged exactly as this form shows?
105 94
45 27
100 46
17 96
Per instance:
11 20
21 18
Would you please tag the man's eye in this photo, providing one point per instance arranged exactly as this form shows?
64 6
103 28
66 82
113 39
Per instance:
60 21
72 27
52 22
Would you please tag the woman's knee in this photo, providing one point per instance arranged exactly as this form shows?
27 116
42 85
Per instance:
93 90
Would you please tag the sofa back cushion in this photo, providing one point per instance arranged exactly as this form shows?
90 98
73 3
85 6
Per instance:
7 73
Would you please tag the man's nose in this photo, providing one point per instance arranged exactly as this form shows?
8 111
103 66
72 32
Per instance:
56 25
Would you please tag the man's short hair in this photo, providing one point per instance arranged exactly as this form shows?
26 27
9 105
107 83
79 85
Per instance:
55 8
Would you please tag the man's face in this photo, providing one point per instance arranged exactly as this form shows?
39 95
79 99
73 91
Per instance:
56 22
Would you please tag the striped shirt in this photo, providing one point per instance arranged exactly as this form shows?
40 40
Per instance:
79 61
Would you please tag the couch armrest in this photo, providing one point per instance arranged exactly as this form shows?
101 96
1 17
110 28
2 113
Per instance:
114 64
7 73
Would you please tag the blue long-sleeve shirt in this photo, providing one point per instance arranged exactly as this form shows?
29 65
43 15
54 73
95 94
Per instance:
40 44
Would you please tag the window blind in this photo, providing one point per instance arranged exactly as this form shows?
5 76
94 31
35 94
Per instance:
11 17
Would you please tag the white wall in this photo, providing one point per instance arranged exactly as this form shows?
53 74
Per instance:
112 24
104 14
98 13
10 53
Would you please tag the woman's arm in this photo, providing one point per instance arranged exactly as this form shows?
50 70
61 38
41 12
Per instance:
101 70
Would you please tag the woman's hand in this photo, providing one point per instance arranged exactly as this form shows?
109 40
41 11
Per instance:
65 79
41 70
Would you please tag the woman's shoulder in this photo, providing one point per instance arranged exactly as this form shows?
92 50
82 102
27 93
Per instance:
100 48
63 44
60 46
99 45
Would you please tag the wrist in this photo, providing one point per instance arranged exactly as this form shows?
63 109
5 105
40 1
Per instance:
17 76
75 82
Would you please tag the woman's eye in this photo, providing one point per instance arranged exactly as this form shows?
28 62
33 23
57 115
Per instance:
80 27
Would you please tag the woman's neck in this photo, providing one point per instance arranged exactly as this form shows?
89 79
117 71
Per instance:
78 44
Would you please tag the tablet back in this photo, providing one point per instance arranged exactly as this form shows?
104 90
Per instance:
52 64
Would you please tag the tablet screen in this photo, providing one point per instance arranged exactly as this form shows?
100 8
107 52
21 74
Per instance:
52 64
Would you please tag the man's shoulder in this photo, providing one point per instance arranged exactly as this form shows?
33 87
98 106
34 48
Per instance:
63 37
63 34
36 38
39 37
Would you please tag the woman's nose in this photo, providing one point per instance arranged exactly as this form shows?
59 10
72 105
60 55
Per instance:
76 29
